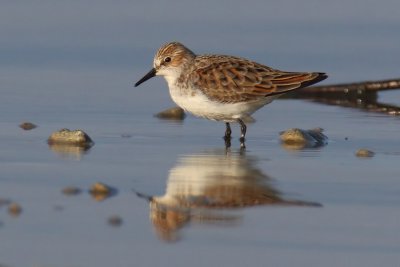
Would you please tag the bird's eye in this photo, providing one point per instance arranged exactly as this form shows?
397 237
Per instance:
167 59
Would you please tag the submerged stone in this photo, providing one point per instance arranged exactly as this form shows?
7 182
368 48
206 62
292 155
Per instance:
68 137
175 113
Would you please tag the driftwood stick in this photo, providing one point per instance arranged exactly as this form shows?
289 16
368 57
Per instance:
368 86
362 95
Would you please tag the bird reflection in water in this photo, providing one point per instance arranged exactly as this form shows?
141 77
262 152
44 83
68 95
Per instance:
209 188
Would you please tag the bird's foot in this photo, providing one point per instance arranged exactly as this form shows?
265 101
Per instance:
242 144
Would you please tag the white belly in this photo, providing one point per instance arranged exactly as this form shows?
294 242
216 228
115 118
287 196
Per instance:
199 105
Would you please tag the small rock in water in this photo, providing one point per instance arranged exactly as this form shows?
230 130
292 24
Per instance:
115 220
68 137
175 113
27 126
71 191
304 138
100 188
364 153
100 191
14 209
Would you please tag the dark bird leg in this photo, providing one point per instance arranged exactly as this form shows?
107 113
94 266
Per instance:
227 136
228 131
243 129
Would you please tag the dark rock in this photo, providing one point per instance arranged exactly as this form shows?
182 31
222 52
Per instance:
27 126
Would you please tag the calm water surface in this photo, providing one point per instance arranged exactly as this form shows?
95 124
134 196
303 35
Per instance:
208 205
184 199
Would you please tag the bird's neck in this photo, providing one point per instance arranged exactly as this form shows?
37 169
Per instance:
178 76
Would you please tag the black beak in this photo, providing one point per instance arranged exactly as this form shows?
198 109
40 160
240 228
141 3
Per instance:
147 197
149 75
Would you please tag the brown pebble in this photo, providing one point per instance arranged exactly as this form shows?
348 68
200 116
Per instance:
68 137
14 209
100 191
27 126
71 191
100 188
364 153
175 113
115 221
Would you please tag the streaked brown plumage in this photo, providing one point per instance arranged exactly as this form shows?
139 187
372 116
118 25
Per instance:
229 79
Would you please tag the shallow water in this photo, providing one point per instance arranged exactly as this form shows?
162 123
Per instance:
183 198
209 205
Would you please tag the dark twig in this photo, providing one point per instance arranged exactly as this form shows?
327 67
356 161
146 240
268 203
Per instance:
370 86
362 95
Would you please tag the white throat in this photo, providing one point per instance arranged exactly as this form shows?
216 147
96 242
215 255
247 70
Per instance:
170 75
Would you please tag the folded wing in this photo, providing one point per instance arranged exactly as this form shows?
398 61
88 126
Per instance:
230 79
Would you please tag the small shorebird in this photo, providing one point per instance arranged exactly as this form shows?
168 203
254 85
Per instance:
223 88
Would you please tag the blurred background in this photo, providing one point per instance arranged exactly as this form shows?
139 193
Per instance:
85 53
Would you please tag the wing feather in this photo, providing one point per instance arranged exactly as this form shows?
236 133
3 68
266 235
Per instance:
231 79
